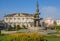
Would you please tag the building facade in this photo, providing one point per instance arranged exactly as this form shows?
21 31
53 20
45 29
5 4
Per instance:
48 22
19 19
58 22
26 19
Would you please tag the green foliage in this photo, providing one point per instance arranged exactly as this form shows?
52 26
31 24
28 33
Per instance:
0 31
14 27
47 38
57 27
17 27
52 38
19 38
9 28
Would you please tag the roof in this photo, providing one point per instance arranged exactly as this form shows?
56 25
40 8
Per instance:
1 21
19 14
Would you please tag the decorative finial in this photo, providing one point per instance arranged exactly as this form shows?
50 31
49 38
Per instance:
37 8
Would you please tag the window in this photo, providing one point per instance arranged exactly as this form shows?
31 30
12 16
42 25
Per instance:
14 18
6 18
23 18
18 18
27 18
10 18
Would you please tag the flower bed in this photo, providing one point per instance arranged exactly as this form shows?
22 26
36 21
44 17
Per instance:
23 37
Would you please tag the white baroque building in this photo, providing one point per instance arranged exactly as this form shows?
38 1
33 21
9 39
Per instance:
19 19
29 20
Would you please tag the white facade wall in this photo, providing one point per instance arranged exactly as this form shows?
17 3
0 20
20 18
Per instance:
17 20
58 22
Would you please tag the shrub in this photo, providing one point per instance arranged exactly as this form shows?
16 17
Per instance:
9 28
24 37
57 27
17 27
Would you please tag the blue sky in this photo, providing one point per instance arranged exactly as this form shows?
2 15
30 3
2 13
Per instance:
48 8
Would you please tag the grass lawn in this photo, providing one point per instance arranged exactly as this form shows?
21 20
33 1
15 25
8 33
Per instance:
52 38
2 37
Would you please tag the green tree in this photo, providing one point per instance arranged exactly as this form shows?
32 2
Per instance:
18 27
57 27
10 28
0 31
14 27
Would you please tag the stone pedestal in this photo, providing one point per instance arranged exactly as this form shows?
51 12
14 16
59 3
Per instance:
34 29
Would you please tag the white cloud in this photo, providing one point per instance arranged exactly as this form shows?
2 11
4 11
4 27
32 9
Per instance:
50 11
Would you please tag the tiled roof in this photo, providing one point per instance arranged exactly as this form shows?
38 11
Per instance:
25 14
